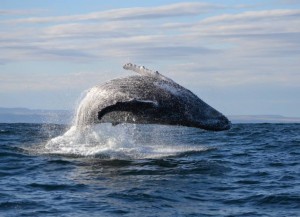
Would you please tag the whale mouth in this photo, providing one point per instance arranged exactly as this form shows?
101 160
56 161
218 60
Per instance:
218 124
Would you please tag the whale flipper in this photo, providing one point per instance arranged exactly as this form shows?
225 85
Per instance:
145 72
133 106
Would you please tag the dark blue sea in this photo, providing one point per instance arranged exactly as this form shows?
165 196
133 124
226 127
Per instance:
139 170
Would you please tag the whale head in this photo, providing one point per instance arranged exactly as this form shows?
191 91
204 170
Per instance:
209 118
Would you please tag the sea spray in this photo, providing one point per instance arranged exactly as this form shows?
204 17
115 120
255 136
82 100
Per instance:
124 141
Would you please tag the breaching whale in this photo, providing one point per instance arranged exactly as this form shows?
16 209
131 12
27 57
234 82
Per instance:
148 98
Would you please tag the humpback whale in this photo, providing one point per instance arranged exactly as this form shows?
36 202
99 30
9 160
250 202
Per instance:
147 98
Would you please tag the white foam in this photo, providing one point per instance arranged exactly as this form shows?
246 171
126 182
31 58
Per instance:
124 141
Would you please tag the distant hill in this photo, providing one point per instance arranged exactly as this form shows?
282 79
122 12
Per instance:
24 115
262 119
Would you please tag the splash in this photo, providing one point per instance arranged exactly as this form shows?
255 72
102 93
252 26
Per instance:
124 141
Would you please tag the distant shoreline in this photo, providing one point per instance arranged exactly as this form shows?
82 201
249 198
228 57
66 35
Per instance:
262 119
25 115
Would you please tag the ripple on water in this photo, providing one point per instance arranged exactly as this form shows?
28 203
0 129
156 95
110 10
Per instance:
55 187
247 171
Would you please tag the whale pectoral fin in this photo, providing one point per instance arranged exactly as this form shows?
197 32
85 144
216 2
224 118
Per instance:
145 72
134 105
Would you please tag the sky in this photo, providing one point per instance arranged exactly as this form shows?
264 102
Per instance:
240 56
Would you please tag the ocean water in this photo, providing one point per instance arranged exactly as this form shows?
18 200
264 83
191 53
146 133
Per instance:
149 170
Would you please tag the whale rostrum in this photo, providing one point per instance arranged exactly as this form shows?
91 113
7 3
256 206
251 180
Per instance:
147 98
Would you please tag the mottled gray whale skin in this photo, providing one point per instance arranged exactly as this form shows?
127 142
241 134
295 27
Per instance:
148 99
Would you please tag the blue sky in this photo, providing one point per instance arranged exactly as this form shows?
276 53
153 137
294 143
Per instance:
240 56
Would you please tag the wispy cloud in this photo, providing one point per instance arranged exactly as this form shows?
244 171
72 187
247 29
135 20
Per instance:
269 15
36 81
223 47
172 10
